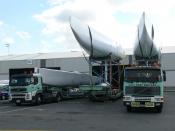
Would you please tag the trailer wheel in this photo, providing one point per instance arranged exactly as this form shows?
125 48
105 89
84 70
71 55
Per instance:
58 98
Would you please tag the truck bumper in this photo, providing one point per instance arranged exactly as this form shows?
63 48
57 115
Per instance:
142 104
20 100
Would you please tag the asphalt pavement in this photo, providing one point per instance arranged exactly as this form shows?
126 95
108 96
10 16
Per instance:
83 115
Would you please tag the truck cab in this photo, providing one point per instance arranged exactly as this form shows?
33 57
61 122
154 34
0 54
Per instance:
143 88
25 88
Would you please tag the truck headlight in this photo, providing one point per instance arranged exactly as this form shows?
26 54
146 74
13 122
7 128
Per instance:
33 93
158 99
10 97
28 96
127 98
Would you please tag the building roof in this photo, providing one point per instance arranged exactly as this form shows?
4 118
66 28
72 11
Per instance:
167 49
70 54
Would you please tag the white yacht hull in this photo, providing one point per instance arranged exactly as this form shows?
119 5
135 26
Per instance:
94 43
65 78
145 48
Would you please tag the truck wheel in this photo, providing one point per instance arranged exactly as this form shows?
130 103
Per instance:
3 97
158 109
38 99
91 98
58 98
129 109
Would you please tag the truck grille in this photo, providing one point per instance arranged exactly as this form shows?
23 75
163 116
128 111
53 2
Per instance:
142 91
18 89
142 98
18 94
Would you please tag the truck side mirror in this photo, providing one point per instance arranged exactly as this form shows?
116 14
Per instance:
35 80
32 81
164 75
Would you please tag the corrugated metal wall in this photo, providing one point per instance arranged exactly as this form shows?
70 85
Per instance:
68 64
168 64
6 65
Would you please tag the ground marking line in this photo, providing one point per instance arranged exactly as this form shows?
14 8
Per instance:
4 107
15 110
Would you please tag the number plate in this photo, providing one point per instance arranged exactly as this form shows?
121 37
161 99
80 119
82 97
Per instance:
135 104
149 104
18 101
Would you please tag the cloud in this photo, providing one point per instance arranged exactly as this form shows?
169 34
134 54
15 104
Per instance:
23 35
48 46
160 13
6 37
56 20
84 14
115 19
59 2
8 40
151 7
1 23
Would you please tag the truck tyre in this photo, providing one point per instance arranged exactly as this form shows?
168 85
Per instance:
38 99
58 98
91 98
159 109
129 109
3 97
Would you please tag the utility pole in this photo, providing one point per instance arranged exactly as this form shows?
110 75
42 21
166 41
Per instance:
8 47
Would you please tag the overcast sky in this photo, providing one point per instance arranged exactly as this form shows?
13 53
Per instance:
33 26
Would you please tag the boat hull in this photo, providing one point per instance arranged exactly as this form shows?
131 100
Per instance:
145 48
65 78
94 43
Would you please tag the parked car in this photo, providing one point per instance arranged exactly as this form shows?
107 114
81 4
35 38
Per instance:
4 92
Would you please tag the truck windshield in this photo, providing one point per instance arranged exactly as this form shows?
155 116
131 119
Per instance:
143 75
20 81
4 88
143 91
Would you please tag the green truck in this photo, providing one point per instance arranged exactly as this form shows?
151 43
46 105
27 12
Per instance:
143 87
28 87
143 82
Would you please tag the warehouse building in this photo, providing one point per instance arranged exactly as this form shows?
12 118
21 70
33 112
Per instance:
76 61
69 61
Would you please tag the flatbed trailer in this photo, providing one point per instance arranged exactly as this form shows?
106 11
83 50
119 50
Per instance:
100 92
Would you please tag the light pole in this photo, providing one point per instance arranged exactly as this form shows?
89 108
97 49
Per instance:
8 47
